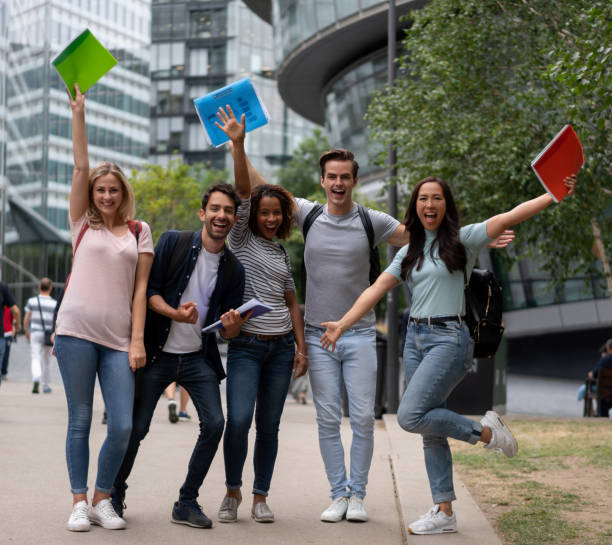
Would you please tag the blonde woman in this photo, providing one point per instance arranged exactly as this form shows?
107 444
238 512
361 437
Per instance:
100 323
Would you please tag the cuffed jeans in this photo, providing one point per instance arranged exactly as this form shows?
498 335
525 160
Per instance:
199 379
40 355
79 362
354 363
256 371
436 358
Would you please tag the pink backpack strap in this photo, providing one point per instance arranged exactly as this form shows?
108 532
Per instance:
80 237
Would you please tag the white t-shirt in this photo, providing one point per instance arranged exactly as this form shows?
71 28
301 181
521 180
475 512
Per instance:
184 338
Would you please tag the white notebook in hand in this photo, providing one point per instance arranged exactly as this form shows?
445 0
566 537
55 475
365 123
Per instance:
254 304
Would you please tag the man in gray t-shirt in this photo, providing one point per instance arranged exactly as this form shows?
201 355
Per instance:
337 263
337 259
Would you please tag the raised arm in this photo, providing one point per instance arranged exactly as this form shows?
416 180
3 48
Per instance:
79 194
365 302
498 224
236 132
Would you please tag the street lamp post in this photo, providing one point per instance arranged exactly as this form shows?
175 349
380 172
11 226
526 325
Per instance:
392 375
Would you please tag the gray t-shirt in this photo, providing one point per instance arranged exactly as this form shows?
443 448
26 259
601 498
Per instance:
337 259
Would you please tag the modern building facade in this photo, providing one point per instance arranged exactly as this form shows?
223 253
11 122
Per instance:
38 147
331 55
198 47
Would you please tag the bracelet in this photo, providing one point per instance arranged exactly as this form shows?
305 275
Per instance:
303 355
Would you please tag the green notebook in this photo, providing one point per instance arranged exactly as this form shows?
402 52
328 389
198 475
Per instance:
84 62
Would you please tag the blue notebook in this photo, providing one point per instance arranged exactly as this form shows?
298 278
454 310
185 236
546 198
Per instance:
243 99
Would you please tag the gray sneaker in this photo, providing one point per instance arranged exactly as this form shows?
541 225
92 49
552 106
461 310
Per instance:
261 512
502 439
336 511
228 512
434 522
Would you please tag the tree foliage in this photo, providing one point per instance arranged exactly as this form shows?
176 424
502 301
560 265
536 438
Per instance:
486 84
169 197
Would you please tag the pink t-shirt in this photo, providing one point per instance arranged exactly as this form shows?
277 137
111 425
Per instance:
97 305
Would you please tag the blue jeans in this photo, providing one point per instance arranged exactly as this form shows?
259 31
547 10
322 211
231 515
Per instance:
79 361
354 363
199 379
256 371
436 359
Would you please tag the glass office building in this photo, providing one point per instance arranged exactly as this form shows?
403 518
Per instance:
199 47
38 147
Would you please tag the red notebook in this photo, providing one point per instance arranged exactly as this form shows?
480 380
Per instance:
561 158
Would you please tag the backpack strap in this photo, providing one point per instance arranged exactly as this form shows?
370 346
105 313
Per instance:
80 237
314 213
135 227
364 216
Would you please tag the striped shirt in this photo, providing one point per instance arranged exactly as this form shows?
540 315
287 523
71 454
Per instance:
47 306
268 275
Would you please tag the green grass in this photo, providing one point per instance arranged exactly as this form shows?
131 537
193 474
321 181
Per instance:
528 511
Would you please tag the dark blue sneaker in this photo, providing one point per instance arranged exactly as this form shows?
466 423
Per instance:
190 513
117 499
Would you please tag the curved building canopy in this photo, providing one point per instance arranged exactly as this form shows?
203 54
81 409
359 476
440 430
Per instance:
310 62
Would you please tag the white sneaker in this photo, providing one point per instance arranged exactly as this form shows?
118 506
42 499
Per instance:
104 515
79 518
502 439
434 522
336 511
356 511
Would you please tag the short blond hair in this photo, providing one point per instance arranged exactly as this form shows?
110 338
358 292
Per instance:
126 210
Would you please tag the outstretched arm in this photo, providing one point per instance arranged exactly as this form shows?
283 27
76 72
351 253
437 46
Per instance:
365 302
236 132
498 224
79 194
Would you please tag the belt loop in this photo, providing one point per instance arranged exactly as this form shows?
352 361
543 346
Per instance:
459 318
428 321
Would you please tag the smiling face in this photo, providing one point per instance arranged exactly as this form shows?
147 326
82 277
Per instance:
107 195
431 205
338 182
269 217
219 216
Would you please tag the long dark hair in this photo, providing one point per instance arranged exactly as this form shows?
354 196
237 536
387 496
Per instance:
286 201
450 249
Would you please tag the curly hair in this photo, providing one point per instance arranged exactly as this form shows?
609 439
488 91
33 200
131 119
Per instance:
287 207
450 248
126 210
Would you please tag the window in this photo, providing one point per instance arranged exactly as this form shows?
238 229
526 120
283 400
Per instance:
208 23
198 62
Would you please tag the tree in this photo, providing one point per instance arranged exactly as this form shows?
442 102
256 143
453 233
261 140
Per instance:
477 101
169 197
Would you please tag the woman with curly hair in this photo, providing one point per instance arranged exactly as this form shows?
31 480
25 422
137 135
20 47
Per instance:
100 324
262 359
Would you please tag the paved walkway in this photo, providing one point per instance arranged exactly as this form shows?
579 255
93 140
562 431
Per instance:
35 500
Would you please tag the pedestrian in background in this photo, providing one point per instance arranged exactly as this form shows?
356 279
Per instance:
7 301
9 338
38 319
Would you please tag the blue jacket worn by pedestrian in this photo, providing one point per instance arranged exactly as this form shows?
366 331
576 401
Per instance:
170 285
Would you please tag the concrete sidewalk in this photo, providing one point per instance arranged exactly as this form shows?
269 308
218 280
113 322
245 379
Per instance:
35 500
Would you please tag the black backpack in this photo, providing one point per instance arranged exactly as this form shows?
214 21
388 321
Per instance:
316 211
483 311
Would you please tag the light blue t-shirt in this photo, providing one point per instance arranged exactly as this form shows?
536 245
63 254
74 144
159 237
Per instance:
435 291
